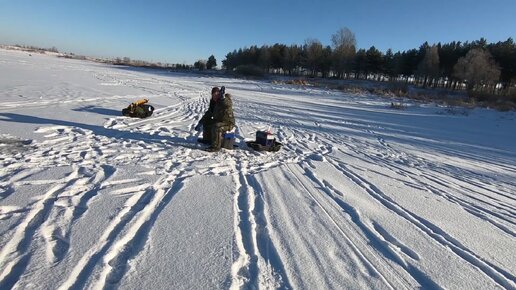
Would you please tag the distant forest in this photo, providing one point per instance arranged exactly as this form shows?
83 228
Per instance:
476 65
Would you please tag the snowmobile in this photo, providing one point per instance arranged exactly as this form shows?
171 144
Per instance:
138 109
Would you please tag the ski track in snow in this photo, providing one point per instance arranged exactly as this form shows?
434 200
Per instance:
351 147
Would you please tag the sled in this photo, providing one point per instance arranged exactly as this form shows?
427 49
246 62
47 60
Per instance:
265 141
273 147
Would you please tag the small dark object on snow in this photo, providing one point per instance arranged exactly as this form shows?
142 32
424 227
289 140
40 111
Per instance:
265 141
138 109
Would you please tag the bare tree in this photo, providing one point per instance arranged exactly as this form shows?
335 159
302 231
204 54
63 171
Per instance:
344 49
477 68
429 66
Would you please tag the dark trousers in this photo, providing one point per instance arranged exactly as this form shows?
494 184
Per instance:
213 132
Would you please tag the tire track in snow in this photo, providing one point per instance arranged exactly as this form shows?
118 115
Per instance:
83 269
500 276
273 273
363 258
53 217
113 251
436 174
493 202
115 261
12 177
380 239
56 231
241 270
258 265
484 212
412 270
15 255
466 176
319 153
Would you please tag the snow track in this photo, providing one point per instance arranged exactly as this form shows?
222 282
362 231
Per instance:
359 197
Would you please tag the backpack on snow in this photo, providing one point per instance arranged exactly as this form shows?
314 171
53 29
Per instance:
138 109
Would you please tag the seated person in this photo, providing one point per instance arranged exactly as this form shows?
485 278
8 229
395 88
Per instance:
218 119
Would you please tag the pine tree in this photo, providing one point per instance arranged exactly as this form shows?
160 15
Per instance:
212 62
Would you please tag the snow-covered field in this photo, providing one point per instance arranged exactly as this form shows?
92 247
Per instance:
361 196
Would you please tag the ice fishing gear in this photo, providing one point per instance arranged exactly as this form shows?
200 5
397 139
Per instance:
138 109
265 141
228 140
141 102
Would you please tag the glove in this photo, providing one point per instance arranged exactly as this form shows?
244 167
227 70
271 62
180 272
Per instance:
198 127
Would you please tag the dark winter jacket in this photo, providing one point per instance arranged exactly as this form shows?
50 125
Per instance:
220 111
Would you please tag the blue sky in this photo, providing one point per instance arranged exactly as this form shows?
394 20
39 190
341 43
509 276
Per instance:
188 30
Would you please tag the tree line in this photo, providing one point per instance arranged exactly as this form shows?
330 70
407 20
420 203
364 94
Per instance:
201 64
31 48
476 65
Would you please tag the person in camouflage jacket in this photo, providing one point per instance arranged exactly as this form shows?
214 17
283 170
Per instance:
218 119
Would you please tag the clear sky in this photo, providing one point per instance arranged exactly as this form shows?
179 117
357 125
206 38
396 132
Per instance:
185 31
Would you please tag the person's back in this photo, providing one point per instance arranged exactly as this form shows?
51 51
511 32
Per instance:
223 111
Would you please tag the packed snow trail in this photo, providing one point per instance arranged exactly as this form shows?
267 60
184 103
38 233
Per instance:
359 197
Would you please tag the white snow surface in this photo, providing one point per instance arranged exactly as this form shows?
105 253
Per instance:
361 196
